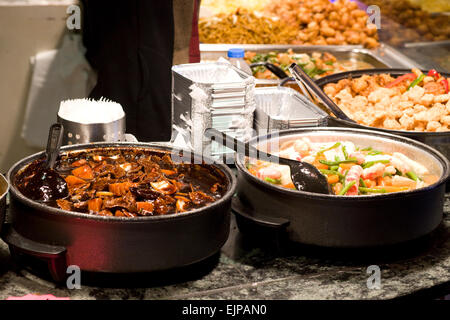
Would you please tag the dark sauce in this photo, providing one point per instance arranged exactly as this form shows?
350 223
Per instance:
42 184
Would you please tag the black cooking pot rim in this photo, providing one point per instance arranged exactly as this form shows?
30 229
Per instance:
359 73
232 182
436 154
404 133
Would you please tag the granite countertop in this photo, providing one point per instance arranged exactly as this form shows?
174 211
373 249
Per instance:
262 268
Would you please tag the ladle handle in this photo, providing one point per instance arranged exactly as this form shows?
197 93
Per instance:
276 70
53 144
300 77
244 149
272 68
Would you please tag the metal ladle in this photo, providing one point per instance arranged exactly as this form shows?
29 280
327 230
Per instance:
46 184
304 176
272 68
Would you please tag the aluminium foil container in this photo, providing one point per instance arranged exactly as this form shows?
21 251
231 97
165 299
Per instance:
282 108
211 95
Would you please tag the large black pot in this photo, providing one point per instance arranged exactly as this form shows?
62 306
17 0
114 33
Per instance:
438 140
114 244
338 221
4 188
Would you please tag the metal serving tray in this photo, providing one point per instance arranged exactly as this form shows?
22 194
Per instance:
383 57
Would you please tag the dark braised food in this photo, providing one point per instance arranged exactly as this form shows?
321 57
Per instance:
126 182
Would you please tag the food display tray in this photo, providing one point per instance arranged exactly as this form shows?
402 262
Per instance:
437 140
432 55
383 57
280 108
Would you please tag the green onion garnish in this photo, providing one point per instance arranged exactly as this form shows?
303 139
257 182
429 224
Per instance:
346 188
416 82
273 181
331 172
371 163
344 151
337 144
336 163
369 190
362 183
412 176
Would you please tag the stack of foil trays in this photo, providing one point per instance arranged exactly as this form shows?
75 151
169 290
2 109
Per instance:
283 108
211 95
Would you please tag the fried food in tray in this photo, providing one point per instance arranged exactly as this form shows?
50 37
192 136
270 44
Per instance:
321 22
299 22
414 101
229 6
434 6
403 21
316 64
245 28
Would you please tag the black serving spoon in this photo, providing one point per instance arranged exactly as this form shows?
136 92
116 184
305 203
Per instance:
305 176
302 78
46 184
272 68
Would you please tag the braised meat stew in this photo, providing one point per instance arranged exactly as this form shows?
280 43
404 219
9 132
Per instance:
129 182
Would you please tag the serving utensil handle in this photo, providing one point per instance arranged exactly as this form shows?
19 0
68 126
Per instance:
301 78
244 149
276 70
272 68
54 144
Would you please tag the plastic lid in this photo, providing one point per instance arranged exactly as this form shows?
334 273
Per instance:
236 53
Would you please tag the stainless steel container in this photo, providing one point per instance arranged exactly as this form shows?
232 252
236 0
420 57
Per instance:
78 133
280 108
383 57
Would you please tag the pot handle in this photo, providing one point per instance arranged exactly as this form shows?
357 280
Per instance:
270 222
55 256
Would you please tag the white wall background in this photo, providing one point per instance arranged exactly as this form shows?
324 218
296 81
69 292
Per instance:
26 27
